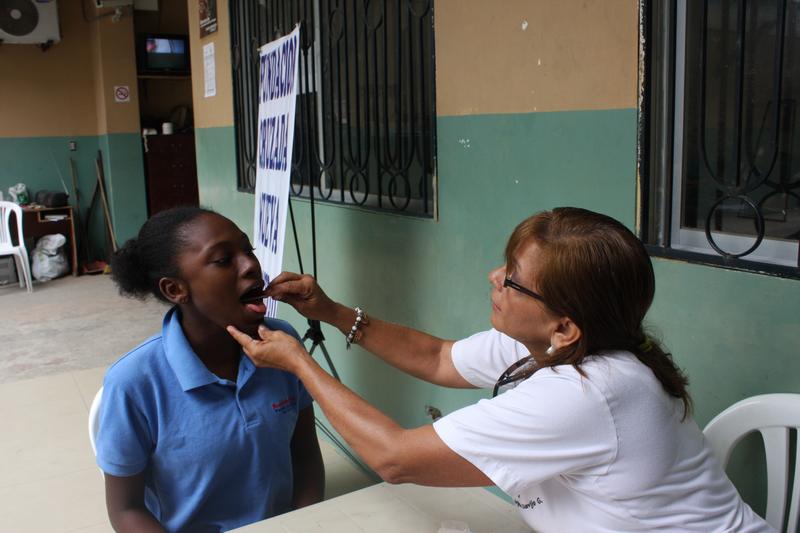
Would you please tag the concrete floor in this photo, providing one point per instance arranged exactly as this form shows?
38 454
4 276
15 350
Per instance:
70 324
55 345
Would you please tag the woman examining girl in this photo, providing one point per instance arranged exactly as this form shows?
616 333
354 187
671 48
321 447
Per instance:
193 437
596 433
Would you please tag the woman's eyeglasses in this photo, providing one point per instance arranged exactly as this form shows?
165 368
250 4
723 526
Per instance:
522 369
508 282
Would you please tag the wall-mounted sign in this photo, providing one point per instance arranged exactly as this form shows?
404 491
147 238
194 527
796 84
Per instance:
122 94
208 17
209 71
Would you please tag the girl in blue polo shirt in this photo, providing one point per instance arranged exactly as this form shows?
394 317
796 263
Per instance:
193 437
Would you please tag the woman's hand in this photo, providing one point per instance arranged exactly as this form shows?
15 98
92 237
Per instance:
273 349
304 294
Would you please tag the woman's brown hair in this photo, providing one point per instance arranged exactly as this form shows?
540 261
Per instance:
596 272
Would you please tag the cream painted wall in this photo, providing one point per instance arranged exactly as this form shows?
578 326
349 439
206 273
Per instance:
217 110
50 93
68 90
117 67
592 67
521 56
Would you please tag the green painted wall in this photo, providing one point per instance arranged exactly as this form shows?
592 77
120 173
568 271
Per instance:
736 335
494 170
42 162
216 176
125 183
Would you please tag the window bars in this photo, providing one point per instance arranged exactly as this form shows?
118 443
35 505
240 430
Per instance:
722 175
365 122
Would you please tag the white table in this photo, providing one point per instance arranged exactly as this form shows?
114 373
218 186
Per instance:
385 508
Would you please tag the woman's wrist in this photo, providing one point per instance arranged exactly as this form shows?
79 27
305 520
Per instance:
326 311
343 318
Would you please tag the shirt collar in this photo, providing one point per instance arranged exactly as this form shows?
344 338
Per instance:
189 369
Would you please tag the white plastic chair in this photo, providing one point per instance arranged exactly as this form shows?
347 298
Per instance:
7 247
773 415
94 419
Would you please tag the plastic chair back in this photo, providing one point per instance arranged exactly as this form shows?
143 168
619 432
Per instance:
774 416
7 246
94 419
6 210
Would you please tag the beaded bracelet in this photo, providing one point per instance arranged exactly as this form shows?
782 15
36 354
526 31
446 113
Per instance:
355 334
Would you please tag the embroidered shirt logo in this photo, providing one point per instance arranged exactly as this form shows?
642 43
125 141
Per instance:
284 406
531 503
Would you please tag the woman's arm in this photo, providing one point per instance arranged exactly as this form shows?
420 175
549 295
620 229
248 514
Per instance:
307 467
125 505
398 455
414 352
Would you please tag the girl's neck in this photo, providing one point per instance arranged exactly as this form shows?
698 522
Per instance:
212 344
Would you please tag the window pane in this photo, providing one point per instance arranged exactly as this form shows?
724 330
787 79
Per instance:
741 130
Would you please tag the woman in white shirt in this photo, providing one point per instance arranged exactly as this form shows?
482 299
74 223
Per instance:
596 433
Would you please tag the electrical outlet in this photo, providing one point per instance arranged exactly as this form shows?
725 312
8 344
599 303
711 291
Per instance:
73 146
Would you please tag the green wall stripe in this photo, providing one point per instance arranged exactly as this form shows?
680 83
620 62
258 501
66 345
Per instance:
125 183
41 163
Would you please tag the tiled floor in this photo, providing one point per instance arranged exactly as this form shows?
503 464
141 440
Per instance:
49 478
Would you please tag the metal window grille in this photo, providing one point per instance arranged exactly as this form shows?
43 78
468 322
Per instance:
721 168
366 121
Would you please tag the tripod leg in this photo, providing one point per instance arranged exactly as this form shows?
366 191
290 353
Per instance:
328 359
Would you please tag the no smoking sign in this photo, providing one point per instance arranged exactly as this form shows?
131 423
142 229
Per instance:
122 93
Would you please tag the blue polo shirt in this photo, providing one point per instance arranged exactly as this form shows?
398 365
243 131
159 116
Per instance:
215 453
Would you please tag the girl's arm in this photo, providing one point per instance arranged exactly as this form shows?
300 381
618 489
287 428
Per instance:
307 466
125 505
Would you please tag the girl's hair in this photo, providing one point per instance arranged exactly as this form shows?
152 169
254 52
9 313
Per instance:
596 272
138 266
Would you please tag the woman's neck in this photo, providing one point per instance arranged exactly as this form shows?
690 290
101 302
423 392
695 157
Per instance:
537 351
212 344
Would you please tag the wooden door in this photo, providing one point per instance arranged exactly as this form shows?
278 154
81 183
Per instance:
171 171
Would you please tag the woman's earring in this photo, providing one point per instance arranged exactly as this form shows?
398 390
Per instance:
550 350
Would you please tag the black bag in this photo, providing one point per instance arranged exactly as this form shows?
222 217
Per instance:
51 198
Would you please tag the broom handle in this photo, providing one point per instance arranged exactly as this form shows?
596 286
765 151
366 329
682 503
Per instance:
81 233
99 165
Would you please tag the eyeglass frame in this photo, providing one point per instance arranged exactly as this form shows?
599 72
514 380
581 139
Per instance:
511 284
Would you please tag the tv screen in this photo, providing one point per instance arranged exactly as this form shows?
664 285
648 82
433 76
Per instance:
164 54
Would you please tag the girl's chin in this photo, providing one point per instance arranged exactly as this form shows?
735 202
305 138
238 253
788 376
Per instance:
249 327
248 321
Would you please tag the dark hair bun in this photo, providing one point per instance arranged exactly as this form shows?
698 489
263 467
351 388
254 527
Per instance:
138 266
128 272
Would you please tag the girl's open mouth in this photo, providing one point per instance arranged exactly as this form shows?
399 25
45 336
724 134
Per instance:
253 300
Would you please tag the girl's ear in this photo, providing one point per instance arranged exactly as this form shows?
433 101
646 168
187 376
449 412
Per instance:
567 332
174 290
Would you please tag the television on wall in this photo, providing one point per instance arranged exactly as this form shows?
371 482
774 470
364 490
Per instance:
158 53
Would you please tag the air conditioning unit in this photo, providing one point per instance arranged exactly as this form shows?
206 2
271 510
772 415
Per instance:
29 21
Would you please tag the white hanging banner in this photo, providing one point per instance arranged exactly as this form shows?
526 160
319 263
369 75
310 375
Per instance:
276 108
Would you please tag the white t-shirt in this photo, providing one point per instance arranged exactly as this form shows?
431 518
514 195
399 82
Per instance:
605 452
